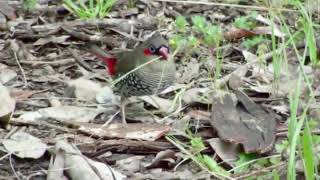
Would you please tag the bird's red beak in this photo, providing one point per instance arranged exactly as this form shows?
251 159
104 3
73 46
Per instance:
164 53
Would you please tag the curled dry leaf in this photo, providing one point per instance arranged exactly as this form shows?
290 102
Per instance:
7 106
166 156
79 167
25 145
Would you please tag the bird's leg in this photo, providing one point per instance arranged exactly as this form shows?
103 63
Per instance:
122 110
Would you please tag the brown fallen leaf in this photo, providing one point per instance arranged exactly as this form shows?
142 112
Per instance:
140 131
238 33
244 33
243 122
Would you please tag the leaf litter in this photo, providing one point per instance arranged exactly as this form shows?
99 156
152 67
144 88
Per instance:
55 94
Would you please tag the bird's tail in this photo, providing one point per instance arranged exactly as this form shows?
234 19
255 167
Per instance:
104 56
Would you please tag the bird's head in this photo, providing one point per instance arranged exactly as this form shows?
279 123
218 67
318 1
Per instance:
156 45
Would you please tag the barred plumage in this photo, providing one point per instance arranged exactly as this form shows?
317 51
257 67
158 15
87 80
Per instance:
145 82
145 79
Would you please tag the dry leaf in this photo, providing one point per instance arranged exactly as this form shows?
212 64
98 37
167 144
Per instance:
25 145
228 152
85 90
6 74
79 167
68 114
7 10
7 106
106 96
167 156
243 122
130 164
163 104
56 167
52 39
199 95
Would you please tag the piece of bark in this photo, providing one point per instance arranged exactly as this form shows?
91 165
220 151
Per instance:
124 146
243 122
140 131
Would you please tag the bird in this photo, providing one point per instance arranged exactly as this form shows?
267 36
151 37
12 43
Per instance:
146 70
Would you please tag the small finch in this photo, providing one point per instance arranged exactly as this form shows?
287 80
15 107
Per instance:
150 66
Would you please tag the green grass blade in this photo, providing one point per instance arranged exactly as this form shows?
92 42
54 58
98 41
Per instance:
294 128
308 155
214 166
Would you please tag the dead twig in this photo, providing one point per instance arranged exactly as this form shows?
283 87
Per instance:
260 8
121 24
52 63
80 61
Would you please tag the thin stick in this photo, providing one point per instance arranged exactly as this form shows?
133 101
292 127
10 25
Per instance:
12 168
261 171
21 69
260 8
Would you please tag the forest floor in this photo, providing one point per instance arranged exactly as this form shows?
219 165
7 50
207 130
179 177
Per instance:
245 102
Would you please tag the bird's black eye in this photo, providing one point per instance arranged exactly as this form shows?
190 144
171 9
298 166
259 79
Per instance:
152 49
